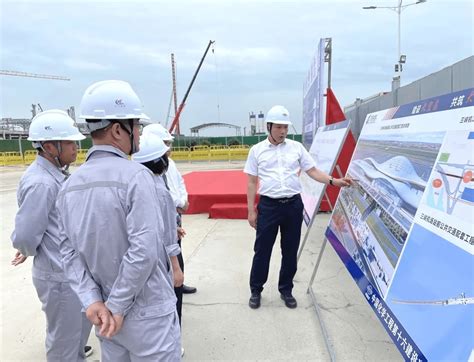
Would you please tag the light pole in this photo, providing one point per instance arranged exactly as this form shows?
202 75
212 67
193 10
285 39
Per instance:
401 59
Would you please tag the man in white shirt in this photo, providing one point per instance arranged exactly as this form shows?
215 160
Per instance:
274 165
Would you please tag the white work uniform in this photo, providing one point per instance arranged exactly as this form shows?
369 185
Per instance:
176 184
278 167
37 234
113 251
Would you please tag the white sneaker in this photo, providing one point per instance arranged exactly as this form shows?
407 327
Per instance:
182 351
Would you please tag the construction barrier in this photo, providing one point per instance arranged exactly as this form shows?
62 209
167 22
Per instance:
29 156
12 158
180 153
219 153
239 152
81 156
199 153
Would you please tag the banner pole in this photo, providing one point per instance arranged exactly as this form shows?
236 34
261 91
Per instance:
305 238
310 291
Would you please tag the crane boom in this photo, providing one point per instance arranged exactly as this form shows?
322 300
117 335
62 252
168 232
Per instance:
183 102
175 98
31 75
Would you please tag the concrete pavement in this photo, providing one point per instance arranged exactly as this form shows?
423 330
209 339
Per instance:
217 322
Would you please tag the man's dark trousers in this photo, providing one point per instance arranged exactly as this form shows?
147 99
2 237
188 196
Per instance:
285 214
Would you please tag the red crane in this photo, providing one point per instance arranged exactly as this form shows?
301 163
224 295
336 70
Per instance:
175 123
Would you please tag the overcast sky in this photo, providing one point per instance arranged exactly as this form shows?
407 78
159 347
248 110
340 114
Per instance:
261 56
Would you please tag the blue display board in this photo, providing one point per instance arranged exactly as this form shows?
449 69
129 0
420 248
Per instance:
313 95
405 230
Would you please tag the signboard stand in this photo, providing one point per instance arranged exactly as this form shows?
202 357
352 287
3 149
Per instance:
310 291
338 169
322 150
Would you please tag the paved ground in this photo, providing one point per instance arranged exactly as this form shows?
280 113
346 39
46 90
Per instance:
217 322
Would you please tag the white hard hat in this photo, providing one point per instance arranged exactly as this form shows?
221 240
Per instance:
278 115
110 100
53 125
152 147
158 130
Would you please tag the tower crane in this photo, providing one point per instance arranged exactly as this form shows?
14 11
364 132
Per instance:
173 96
31 75
175 123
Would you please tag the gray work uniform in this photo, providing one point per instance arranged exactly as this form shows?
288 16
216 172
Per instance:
113 252
37 234
168 212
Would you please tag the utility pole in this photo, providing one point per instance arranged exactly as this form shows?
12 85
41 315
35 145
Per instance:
401 59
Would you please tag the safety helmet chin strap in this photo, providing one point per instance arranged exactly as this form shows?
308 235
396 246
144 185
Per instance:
133 146
63 168
269 129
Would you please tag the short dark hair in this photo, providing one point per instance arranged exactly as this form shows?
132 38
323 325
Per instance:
159 165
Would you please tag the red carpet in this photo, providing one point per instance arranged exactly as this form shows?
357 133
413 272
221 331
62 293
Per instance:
228 211
222 194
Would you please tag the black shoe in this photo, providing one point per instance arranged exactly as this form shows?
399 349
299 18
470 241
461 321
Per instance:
290 301
88 351
254 301
189 290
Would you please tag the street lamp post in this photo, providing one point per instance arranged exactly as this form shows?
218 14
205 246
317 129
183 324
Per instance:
401 59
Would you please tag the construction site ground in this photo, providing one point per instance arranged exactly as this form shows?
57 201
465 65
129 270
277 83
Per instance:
217 321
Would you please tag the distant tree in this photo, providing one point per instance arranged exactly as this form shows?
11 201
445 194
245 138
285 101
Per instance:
234 142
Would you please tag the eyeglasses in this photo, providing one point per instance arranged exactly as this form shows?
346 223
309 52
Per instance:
137 123
125 126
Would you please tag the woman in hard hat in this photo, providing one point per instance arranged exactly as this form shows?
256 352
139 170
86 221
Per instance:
37 234
274 165
176 186
153 155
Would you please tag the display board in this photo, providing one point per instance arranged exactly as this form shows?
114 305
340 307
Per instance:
325 150
313 95
405 230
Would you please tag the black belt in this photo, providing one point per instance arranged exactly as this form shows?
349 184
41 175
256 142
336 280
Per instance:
282 200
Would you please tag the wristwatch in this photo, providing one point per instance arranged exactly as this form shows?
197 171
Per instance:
331 179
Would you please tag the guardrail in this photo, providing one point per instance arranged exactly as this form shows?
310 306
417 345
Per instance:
29 156
181 153
11 158
81 156
198 153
